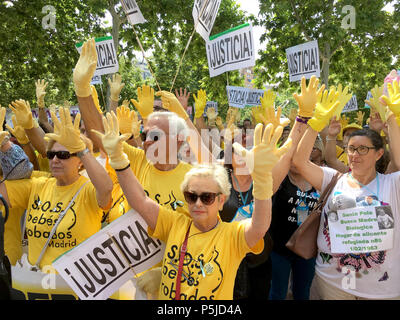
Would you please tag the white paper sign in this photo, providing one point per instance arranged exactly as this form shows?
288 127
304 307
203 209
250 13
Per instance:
204 14
133 12
369 97
240 97
303 60
352 105
107 61
231 50
361 229
103 263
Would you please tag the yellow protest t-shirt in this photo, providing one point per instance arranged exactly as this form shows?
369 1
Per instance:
341 155
164 187
44 201
211 261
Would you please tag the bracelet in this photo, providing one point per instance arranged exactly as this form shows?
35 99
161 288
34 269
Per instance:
302 119
118 170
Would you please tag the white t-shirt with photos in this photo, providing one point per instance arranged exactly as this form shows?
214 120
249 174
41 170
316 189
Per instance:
376 275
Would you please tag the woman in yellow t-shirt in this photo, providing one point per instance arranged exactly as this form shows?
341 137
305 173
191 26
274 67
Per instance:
45 198
202 253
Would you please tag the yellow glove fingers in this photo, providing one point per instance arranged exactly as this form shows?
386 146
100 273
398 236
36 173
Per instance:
10 129
110 123
320 92
303 84
313 85
99 134
239 150
105 126
276 136
77 121
2 115
258 134
115 122
51 136
56 122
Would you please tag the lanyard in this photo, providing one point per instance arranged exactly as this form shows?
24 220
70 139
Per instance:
364 186
241 195
181 258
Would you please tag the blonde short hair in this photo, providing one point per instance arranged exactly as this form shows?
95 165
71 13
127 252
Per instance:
215 171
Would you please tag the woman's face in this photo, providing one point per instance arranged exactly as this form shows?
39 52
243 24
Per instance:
362 163
61 168
205 214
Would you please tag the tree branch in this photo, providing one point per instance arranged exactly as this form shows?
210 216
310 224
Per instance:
300 22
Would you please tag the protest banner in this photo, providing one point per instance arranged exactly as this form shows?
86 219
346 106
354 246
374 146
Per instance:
240 97
352 105
204 14
231 50
96 80
133 12
99 266
303 61
361 229
210 104
107 61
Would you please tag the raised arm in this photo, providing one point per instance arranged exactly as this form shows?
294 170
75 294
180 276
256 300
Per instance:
330 147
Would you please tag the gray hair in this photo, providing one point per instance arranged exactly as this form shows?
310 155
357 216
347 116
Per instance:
177 125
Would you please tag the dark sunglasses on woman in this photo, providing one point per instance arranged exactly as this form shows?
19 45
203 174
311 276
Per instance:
63 155
207 198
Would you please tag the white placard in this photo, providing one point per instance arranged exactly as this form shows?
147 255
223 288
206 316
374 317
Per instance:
204 14
231 50
133 12
303 60
352 105
240 97
369 97
107 61
361 229
103 263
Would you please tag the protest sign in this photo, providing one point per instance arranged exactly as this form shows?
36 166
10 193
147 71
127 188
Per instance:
96 80
240 97
210 104
303 60
107 61
132 12
204 14
352 105
231 50
103 263
361 229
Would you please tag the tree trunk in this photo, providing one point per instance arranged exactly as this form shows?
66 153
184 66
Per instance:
325 64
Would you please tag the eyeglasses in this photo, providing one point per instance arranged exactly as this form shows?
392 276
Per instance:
362 150
207 198
153 135
63 155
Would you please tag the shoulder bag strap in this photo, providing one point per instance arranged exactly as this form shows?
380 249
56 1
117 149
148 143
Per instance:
325 194
181 258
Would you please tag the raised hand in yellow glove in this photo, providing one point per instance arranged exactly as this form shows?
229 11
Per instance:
116 86
292 116
200 103
218 123
95 98
23 113
268 99
270 117
375 103
150 281
84 69
360 118
18 132
171 102
393 98
256 112
41 86
343 98
145 103
128 121
113 141
67 133
262 158
309 96
212 116
324 110
232 114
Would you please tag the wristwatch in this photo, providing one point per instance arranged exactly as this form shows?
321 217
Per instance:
80 154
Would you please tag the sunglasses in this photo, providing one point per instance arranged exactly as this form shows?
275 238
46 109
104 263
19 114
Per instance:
63 155
151 135
207 198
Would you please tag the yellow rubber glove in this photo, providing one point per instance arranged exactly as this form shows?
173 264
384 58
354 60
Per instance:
343 98
84 69
270 117
324 110
232 114
200 103
393 100
145 103
256 112
360 118
67 133
128 121
150 281
212 116
18 132
41 86
268 99
375 102
171 102
116 86
309 96
219 124
113 141
262 158
95 98
292 116
23 113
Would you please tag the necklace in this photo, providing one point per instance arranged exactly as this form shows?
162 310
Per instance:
364 186
242 200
